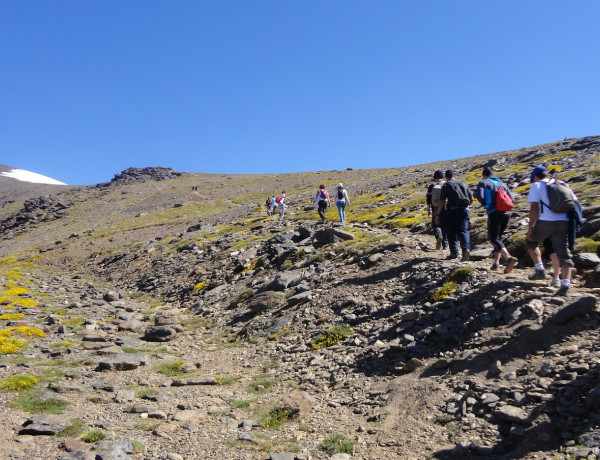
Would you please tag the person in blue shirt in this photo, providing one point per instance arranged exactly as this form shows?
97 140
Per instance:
487 190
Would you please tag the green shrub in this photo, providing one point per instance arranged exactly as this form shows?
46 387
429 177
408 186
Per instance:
331 336
460 275
18 382
276 418
35 405
93 436
587 245
171 369
259 385
443 292
337 444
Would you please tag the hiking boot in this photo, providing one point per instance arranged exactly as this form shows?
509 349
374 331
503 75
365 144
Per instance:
555 282
510 264
538 275
562 291
438 243
466 256
494 267
452 256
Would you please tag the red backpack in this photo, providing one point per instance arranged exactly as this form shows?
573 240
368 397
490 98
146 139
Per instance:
503 201
278 199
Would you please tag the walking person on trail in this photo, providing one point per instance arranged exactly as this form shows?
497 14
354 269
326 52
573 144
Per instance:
341 201
433 200
457 198
280 200
268 206
322 200
273 204
547 220
492 193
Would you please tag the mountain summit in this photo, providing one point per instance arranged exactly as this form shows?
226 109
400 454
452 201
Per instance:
27 176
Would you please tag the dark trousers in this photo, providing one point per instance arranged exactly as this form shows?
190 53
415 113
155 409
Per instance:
438 230
497 222
322 209
456 223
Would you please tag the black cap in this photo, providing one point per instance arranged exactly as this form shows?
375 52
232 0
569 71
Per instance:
438 174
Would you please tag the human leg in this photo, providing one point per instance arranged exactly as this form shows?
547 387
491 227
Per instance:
341 205
450 224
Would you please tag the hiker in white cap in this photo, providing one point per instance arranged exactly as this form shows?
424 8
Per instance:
341 200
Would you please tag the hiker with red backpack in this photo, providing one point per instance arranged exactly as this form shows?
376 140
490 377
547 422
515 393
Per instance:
494 195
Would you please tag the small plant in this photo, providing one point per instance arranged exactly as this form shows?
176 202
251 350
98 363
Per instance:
225 379
142 394
242 297
11 316
331 336
276 418
259 385
443 420
39 405
281 332
138 447
18 382
337 444
272 365
443 292
93 436
240 403
460 275
130 350
171 369
200 286
73 430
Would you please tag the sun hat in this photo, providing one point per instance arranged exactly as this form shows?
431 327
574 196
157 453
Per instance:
538 170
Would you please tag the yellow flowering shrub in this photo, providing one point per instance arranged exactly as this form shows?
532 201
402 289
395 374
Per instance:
10 346
11 316
22 330
200 286
331 336
18 382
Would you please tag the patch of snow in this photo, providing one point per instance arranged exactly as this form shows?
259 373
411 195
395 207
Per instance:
28 176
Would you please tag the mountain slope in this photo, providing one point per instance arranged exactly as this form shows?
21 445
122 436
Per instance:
230 335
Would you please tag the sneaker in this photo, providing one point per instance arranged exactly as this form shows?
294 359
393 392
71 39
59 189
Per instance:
466 256
438 243
510 264
494 267
538 275
555 282
562 291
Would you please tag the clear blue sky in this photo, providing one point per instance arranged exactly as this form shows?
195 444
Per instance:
89 88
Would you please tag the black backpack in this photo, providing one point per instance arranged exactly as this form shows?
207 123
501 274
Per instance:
340 194
458 195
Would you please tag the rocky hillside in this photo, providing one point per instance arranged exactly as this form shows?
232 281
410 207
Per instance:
166 315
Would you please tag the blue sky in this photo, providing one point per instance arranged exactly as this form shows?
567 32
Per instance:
89 88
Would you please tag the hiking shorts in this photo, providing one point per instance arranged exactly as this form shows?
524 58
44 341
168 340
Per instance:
557 232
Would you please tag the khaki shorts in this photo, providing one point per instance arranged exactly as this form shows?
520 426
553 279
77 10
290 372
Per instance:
557 232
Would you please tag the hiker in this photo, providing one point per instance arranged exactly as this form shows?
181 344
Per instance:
495 197
268 206
341 201
455 199
280 200
546 223
274 204
322 201
433 200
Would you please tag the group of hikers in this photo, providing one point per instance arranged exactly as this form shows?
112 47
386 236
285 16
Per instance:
552 219
322 201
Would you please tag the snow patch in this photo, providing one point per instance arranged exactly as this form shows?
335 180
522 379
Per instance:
28 176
